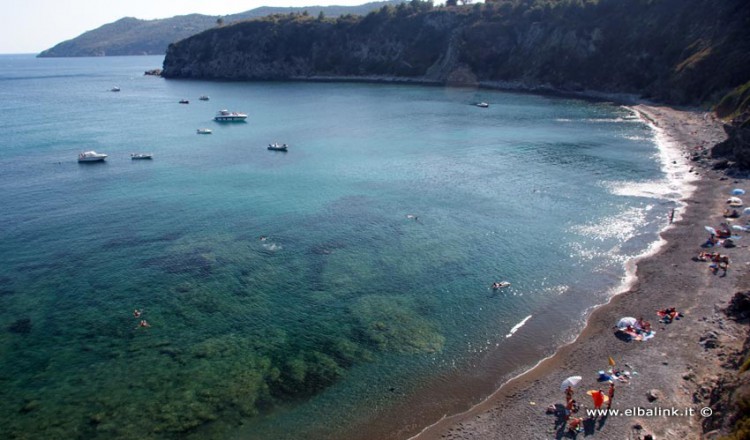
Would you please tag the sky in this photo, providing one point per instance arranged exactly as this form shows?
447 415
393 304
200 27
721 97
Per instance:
31 26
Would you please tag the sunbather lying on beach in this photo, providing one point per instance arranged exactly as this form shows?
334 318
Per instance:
668 315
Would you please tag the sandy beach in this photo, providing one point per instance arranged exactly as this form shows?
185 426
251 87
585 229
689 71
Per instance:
679 365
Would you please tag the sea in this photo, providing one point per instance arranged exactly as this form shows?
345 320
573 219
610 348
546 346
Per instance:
340 290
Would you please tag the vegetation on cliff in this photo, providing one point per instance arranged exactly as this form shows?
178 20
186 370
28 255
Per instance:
131 36
680 51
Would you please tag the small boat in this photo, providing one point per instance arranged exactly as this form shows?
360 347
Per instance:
114 89
91 156
227 116
184 101
482 104
203 98
500 285
277 147
137 156
204 131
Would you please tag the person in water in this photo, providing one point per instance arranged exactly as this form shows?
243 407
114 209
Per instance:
136 313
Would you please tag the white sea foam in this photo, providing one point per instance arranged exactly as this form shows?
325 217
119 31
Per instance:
612 120
273 247
622 226
518 326
678 182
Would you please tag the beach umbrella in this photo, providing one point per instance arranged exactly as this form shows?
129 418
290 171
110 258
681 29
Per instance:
570 382
734 201
746 211
710 230
738 192
611 362
740 228
626 321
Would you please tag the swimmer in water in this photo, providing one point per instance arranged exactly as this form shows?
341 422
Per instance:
136 313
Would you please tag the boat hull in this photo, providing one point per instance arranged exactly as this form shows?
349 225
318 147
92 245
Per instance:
230 118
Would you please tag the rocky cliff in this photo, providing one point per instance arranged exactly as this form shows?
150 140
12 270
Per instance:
678 51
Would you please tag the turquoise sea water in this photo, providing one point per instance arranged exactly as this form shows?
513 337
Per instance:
349 311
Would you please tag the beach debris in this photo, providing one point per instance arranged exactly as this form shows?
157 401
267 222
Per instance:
709 340
734 201
653 395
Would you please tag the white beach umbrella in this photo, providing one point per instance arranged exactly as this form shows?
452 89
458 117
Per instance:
626 321
711 230
734 201
570 382
738 192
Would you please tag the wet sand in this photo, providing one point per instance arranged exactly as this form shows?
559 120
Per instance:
677 365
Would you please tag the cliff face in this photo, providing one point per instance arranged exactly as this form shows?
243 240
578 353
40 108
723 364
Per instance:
679 51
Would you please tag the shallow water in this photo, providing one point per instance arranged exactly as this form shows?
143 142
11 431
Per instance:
348 309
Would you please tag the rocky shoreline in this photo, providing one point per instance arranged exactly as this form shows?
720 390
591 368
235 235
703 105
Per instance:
681 366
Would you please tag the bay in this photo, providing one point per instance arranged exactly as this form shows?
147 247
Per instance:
302 294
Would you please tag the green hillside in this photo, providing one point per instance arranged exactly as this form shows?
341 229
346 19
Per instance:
131 36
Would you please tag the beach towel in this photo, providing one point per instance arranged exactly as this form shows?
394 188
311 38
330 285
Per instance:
598 397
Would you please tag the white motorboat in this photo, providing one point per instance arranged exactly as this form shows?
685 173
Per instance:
277 147
204 131
114 89
482 104
91 156
138 156
204 98
227 116
500 285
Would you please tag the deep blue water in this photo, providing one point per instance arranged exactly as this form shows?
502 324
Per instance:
348 310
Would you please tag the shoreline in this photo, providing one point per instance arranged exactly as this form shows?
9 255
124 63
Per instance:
518 405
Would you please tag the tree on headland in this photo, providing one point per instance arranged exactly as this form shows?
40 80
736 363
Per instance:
451 2
421 5
219 22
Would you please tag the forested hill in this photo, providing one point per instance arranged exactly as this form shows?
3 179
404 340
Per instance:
131 36
679 51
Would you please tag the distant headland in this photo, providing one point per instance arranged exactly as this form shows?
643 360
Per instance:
131 36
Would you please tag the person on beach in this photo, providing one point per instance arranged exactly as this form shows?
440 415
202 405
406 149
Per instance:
575 425
598 397
611 393
568 394
671 216
724 265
